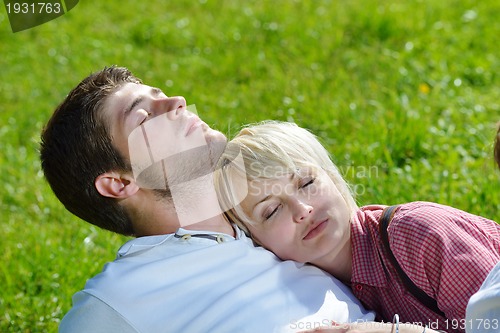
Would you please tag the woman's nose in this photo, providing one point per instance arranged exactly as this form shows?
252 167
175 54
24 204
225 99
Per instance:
301 211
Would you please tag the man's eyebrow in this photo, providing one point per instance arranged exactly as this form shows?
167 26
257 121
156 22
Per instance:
156 91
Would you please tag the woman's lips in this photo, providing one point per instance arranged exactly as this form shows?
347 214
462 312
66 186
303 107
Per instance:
316 230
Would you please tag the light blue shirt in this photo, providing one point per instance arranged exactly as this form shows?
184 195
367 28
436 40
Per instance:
171 283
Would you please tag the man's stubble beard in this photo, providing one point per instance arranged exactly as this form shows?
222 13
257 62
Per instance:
181 170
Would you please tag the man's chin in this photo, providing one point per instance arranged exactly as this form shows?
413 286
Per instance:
216 142
212 135
182 167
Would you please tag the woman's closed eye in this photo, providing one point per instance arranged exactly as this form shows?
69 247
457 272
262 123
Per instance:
307 181
270 212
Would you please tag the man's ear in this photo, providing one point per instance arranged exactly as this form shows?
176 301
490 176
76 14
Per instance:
116 185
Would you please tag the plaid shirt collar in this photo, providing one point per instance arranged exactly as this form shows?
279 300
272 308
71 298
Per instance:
367 267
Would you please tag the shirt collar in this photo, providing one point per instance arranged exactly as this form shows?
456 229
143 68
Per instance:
367 267
238 232
147 242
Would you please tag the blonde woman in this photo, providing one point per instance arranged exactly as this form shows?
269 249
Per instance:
296 203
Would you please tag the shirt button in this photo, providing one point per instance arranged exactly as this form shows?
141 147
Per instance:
359 287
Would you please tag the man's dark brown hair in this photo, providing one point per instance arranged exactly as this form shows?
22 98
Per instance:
76 147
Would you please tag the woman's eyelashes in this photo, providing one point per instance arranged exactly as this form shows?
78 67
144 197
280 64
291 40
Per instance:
272 210
307 181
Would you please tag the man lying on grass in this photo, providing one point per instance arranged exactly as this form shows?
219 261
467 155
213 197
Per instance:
188 269
127 158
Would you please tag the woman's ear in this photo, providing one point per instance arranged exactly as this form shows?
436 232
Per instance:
116 185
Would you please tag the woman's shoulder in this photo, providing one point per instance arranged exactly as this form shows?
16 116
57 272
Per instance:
420 213
422 222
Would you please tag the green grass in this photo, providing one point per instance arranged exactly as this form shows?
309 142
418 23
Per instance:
405 95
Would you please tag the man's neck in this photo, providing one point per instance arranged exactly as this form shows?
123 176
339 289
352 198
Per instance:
216 224
157 217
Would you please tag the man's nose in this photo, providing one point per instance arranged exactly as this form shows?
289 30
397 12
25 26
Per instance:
301 210
172 106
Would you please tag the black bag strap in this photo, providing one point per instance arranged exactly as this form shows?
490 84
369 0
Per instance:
425 299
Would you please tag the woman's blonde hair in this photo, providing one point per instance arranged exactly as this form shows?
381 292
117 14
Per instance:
269 150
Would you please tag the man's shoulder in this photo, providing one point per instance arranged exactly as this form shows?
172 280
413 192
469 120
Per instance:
197 273
90 314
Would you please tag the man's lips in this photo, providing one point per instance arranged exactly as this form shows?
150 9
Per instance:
193 123
316 229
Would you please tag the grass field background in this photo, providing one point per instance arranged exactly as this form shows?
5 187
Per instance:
404 94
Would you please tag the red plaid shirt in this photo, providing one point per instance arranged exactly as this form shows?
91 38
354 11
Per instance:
446 252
